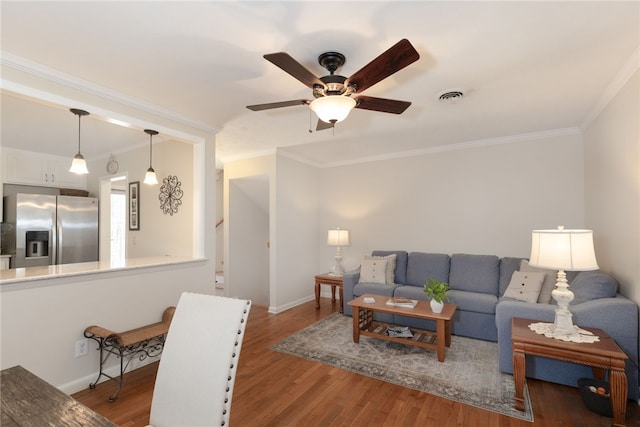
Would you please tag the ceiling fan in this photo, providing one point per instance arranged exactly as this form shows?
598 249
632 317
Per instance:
335 94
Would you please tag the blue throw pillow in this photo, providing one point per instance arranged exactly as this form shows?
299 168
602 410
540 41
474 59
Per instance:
589 285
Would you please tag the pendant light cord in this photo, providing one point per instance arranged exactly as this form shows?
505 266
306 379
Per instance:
79 117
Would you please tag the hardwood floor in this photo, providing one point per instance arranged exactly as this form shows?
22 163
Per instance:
274 389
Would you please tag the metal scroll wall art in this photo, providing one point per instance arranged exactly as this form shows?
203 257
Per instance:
170 195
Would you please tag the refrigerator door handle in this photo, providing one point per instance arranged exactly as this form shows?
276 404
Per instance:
57 249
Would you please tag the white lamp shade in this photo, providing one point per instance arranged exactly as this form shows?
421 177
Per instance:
79 165
562 249
150 177
332 108
338 237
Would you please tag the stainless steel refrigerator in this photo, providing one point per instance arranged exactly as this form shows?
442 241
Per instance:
50 229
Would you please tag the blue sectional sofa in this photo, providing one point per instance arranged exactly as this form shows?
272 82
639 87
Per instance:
478 283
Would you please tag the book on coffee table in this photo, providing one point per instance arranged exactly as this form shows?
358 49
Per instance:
399 331
402 302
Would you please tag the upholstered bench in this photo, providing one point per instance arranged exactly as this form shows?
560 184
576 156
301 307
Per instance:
145 341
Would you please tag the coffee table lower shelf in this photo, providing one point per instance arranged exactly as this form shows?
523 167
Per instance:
424 339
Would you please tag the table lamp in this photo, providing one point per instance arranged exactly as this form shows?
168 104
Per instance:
338 238
563 250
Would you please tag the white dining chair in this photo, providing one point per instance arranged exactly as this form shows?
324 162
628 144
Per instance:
197 371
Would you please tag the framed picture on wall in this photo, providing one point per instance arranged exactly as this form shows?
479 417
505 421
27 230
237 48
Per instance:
134 205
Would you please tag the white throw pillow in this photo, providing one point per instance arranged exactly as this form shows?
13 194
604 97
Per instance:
373 271
390 272
549 283
525 286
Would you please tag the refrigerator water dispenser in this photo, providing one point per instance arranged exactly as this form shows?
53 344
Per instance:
37 243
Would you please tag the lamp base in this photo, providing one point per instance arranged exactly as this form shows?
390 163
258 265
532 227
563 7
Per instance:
337 269
576 334
563 328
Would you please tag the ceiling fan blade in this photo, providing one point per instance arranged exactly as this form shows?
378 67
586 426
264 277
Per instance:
293 67
391 61
382 104
260 107
323 125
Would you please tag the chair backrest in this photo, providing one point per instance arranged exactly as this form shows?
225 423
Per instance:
195 379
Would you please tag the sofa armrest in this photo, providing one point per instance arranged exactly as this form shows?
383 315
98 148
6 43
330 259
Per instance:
349 280
617 316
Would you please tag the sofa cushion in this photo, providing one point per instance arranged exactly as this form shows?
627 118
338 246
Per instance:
391 266
475 273
525 286
590 285
473 301
373 288
401 264
507 266
424 266
373 271
548 284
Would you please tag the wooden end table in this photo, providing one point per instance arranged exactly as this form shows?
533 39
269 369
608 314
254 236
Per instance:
333 281
363 323
601 356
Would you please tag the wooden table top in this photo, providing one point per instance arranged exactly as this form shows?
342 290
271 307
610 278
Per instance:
329 278
422 310
27 400
606 347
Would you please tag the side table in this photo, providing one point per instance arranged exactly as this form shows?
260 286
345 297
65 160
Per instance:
333 281
601 356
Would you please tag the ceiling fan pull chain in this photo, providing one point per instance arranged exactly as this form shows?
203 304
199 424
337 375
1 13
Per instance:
310 123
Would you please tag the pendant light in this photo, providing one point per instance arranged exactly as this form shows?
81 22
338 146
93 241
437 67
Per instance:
79 165
150 176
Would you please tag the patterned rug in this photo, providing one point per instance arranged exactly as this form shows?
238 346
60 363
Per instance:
468 375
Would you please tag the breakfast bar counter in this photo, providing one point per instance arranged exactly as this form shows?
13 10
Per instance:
36 274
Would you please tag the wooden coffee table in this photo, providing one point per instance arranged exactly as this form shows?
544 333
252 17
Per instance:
363 323
601 356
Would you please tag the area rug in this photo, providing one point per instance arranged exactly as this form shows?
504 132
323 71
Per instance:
469 374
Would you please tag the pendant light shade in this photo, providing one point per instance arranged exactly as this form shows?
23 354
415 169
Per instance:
79 165
150 177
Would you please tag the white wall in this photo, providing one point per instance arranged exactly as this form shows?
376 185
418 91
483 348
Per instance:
612 181
41 325
293 228
236 259
160 234
298 239
484 199
248 247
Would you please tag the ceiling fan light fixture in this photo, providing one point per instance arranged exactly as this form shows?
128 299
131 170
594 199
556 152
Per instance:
332 108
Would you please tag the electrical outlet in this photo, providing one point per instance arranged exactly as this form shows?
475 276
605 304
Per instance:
82 347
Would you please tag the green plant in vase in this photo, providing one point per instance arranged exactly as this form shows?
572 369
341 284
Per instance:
436 292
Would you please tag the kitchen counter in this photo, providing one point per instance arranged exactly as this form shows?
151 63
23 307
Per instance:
31 274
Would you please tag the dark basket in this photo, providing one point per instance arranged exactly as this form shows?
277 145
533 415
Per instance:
595 402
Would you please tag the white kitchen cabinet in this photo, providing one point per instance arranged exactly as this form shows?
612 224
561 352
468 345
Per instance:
29 168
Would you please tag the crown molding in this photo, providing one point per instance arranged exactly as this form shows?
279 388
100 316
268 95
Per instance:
60 78
511 139
616 85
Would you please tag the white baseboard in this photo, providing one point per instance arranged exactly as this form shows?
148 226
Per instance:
113 371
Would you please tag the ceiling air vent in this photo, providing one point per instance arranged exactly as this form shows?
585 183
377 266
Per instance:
450 96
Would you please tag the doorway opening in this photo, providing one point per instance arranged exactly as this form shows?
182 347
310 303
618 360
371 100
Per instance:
118 225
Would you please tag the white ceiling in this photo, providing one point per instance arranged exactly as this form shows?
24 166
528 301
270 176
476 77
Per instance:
523 66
